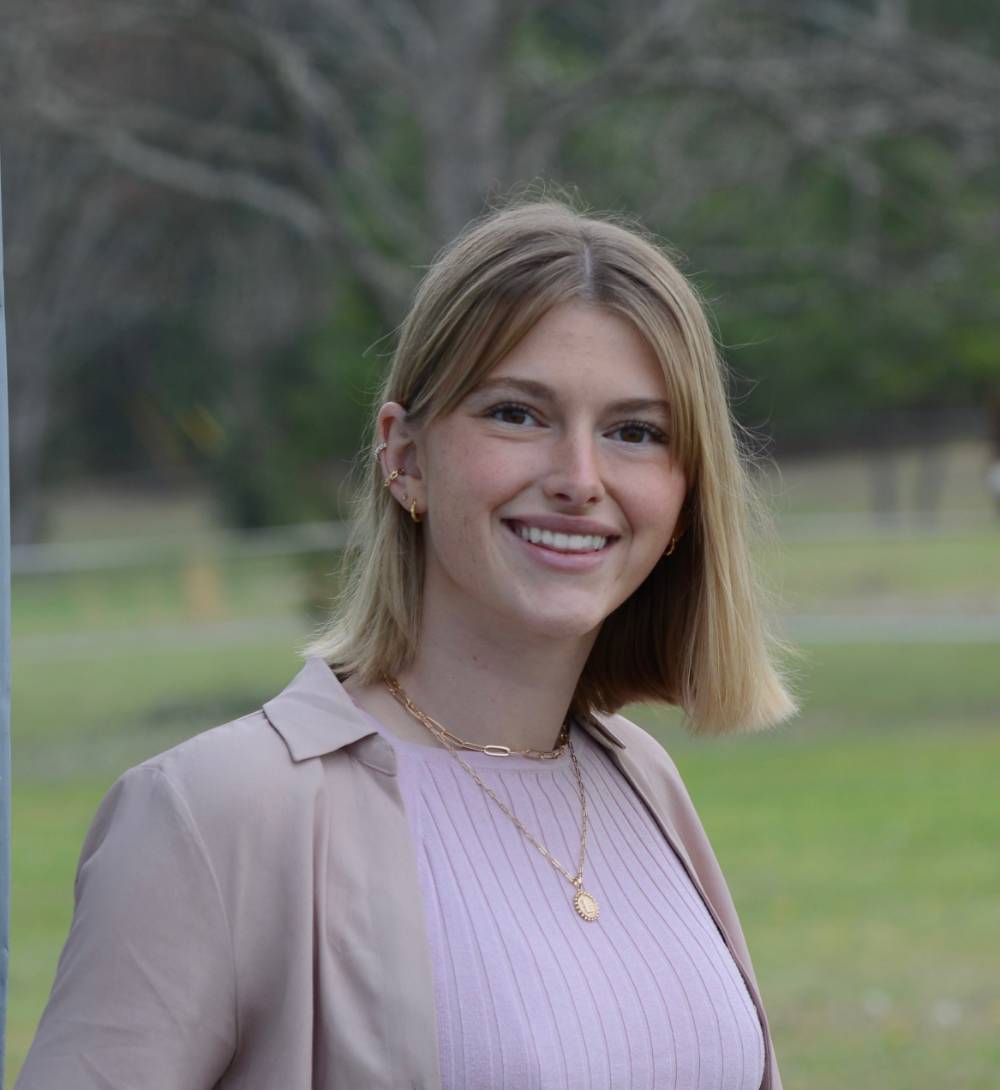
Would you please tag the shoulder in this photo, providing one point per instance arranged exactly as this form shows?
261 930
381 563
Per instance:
640 745
269 769
211 788
245 746
241 758
648 761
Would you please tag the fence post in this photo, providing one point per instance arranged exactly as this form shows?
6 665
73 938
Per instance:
4 676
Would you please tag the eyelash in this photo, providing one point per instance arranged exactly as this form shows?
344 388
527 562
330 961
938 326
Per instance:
650 429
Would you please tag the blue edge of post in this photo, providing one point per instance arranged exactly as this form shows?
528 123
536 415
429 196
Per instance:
4 677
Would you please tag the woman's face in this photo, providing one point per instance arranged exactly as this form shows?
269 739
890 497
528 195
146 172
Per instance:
566 442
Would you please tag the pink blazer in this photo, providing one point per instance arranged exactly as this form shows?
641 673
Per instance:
247 911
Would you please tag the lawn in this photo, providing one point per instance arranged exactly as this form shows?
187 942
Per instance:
860 840
862 858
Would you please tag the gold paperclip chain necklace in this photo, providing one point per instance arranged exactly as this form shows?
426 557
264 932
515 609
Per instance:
585 903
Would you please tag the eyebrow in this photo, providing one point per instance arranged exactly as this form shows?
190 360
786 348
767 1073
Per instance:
538 389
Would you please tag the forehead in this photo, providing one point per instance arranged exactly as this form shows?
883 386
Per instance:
577 349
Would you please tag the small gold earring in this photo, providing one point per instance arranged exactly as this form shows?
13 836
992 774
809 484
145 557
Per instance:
673 545
392 476
413 512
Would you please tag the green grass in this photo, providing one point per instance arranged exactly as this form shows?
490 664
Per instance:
896 687
90 713
859 841
960 571
201 588
77 725
864 867
48 823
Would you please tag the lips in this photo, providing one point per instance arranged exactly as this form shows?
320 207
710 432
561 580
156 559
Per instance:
561 543
562 524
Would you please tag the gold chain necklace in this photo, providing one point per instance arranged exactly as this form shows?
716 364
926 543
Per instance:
585 903
445 736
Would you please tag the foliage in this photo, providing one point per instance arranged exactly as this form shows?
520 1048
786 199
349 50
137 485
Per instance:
284 171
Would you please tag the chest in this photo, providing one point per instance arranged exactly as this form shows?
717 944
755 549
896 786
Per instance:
339 990
528 994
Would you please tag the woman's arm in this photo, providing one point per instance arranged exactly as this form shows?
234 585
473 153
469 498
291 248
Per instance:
145 991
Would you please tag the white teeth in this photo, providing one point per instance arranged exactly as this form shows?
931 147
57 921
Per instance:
571 543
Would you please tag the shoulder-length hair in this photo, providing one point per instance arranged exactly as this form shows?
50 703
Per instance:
693 634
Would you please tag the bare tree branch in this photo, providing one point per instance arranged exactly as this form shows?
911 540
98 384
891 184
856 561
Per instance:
374 129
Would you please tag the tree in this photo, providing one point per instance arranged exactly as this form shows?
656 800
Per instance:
795 150
74 280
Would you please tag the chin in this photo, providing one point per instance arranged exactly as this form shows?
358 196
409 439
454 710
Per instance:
552 625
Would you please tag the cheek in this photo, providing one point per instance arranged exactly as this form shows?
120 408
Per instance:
653 504
476 477
457 496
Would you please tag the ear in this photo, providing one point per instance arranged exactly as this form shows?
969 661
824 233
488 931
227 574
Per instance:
402 452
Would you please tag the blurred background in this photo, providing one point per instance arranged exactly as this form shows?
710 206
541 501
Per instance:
215 213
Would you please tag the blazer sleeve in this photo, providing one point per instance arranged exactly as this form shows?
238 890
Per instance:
145 991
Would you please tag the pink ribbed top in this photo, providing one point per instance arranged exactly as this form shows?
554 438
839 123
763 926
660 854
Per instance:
528 995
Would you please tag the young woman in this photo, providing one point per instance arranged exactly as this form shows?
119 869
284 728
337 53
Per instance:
439 859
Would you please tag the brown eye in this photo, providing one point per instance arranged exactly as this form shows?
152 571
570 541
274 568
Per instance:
510 413
635 432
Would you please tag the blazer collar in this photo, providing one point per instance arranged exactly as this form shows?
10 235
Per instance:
315 715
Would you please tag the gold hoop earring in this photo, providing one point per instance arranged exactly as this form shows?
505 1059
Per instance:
673 545
413 513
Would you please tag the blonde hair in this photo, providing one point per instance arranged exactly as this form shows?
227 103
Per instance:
693 634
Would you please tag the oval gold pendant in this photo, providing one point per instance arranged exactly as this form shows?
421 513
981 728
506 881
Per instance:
585 905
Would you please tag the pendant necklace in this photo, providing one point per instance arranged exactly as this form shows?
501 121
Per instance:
584 903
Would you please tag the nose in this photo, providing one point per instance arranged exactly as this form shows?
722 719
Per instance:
573 475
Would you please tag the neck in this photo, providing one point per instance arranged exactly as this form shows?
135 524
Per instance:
492 702
483 688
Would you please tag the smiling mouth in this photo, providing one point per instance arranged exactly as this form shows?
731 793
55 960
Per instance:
571 544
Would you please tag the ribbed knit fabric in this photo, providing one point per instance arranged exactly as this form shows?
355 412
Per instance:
531 997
